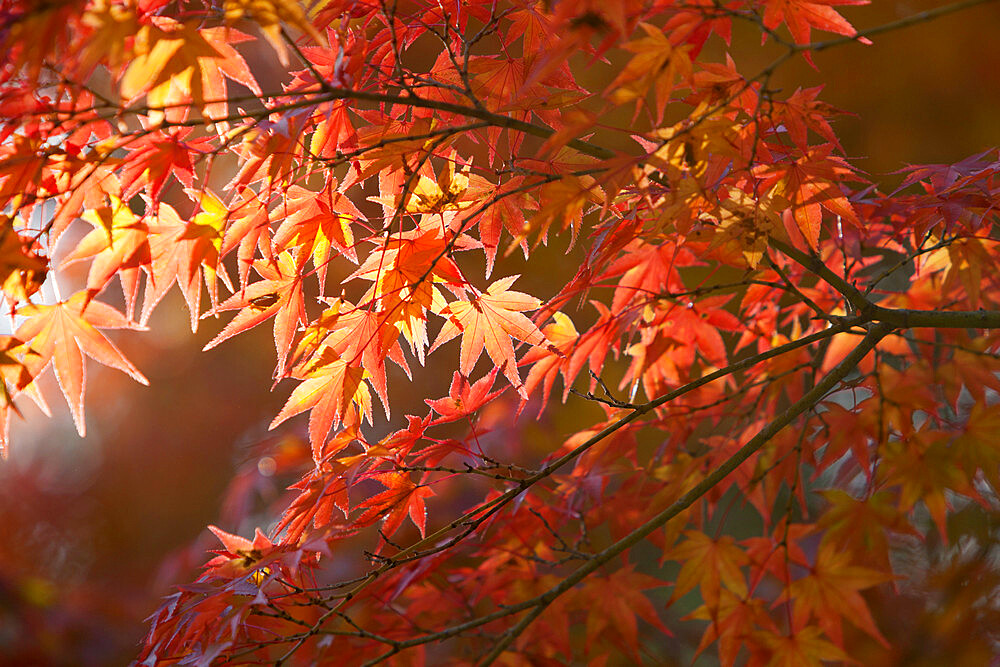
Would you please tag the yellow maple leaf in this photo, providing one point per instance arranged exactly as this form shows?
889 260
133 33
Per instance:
179 64
269 15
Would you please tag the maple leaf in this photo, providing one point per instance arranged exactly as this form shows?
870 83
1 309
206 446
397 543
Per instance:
969 370
16 364
22 270
317 223
248 229
507 212
709 564
549 361
451 191
810 185
401 498
861 527
360 336
830 592
975 445
333 128
62 333
19 365
240 555
924 466
849 429
750 222
87 182
405 264
278 295
329 386
179 64
562 200
803 648
392 153
22 169
463 398
269 14
321 490
802 16
617 601
404 440
404 271
490 320
593 346
111 25
118 244
270 152
772 554
155 156
657 64
182 252
803 111
684 151
734 622
647 269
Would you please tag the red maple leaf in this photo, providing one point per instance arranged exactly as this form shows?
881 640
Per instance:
464 399
401 498
803 15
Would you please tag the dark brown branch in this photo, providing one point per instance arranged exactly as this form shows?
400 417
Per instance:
902 318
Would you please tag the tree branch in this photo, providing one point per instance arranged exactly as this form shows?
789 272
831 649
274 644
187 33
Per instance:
839 372
902 318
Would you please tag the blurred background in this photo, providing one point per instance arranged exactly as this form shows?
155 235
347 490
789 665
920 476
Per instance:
86 524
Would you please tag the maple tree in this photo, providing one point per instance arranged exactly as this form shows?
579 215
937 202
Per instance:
745 324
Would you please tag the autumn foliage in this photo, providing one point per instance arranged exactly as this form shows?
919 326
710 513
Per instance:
738 387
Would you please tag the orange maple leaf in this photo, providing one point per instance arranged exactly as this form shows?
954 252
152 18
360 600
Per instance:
62 333
184 251
830 593
118 244
548 362
811 184
734 622
156 156
804 648
657 64
317 223
861 526
239 556
463 398
22 270
490 320
269 14
329 386
404 271
618 602
709 564
359 336
279 295
248 229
